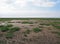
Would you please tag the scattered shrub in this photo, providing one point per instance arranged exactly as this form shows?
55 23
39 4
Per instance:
10 29
9 25
4 29
1 26
58 27
25 35
37 30
27 31
24 39
14 29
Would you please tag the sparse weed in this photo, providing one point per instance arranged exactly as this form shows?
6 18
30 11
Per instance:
4 29
37 30
58 33
14 29
27 22
27 31
3 42
45 24
9 35
9 25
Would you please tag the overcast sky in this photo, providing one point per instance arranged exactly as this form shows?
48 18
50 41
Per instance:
30 8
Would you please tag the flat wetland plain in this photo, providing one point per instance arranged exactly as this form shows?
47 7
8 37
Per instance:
29 30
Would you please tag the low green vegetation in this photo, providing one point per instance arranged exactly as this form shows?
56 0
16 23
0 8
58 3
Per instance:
37 30
56 24
3 42
1 35
9 25
27 31
45 24
27 22
9 35
14 29
4 29
58 33
9 29
58 27
1 26
7 19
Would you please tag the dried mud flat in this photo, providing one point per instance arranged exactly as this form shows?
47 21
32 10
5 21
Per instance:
46 36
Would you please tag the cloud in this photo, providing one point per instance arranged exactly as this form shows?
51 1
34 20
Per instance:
44 3
40 3
10 5
19 4
23 7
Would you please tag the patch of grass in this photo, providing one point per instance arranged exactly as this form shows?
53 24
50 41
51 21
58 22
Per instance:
14 29
37 30
27 31
52 24
13 42
9 35
4 29
8 19
1 26
56 22
45 24
24 39
27 22
3 42
58 33
58 27
9 29
1 35
9 25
